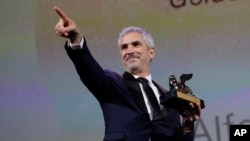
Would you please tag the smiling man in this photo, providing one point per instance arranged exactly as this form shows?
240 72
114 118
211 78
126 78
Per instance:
136 54
130 102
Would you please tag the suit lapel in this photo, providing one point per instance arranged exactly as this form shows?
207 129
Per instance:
135 90
162 91
160 88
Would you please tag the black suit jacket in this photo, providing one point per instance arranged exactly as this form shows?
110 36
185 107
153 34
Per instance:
124 110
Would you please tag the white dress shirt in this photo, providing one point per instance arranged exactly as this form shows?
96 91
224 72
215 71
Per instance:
156 92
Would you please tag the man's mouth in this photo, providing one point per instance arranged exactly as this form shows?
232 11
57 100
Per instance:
131 58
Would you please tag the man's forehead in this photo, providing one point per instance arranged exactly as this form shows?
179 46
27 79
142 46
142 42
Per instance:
132 37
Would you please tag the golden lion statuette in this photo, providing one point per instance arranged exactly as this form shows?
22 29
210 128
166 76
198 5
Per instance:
180 95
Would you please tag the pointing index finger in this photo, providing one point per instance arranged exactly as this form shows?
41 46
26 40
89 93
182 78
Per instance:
61 14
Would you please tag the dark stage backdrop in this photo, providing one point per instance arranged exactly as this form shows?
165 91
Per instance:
42 98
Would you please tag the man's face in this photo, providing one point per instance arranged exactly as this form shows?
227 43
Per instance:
135 54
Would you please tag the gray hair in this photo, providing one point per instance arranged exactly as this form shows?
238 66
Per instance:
146 35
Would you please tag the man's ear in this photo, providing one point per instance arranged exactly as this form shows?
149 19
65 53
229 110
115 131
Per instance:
152 52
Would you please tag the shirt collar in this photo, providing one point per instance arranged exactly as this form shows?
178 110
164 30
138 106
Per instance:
149 77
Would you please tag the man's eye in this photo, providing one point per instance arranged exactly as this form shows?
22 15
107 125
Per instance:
135 43
124 46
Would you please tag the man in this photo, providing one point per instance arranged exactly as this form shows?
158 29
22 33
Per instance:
128 110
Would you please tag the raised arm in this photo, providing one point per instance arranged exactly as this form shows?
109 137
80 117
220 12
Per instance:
88 69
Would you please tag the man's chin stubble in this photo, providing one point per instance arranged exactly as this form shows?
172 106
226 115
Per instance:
133 69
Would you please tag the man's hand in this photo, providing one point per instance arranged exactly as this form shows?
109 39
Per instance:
190 115
67 28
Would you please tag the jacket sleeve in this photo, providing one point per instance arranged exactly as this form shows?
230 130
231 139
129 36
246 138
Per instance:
90 72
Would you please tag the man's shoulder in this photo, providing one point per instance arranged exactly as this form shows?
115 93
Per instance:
112 74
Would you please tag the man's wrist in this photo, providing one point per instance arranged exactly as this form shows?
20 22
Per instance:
75 37
188 129
76 46
187 126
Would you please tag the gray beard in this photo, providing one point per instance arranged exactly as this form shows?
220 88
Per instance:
133 69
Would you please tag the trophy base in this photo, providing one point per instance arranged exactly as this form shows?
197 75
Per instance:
177 99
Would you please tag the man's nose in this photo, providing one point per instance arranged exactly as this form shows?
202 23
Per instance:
130 49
